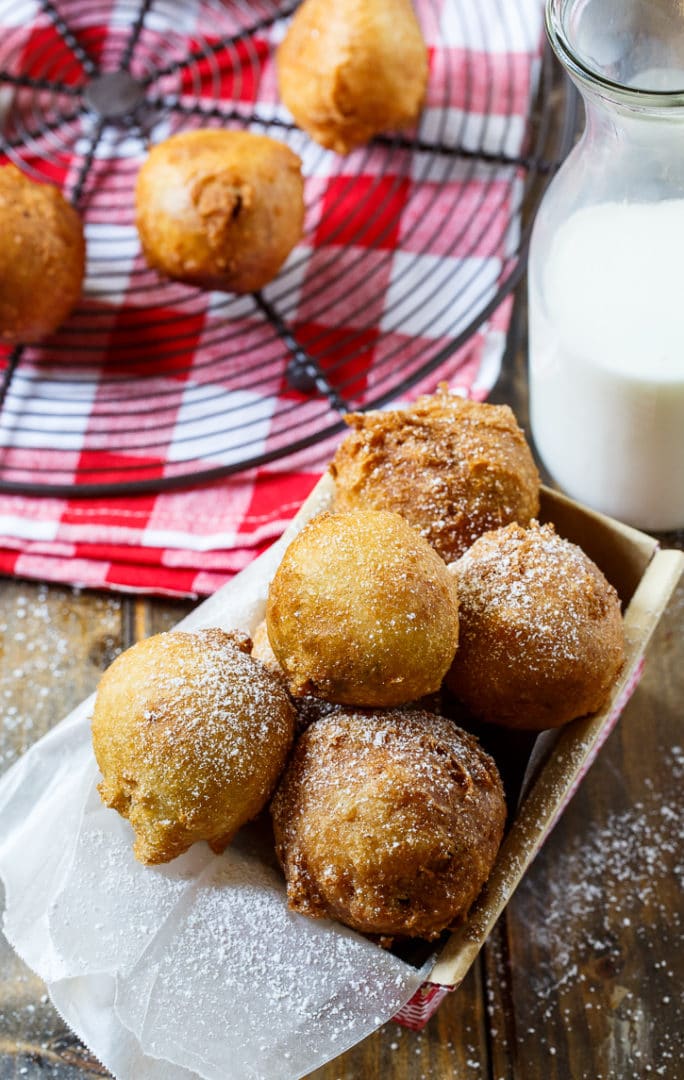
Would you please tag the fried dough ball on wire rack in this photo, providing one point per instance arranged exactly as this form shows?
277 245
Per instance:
362 611
190 734
221 209
42 258
388 821
542 639
352 69
453 468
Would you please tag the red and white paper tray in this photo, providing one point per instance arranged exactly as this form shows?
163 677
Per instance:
180 972
386 272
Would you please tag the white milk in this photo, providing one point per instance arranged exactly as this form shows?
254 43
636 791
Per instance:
607 360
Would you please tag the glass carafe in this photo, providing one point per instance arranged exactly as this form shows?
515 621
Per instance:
606 287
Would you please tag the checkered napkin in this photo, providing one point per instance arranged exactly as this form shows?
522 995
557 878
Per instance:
189 542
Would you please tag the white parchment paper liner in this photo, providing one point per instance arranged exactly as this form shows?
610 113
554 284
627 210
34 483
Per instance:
195 969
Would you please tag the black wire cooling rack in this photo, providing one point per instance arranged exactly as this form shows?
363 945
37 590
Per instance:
85 87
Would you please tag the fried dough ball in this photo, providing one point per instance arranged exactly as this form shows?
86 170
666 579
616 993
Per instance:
453 468
42 258
542 639
220 208
349 70
388 821
309 708
362 611
190 735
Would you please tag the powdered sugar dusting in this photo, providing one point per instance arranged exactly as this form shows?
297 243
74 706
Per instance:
190 733
214 698
108 911
536 580
542 639
388 821
607 883
400 733
452 467
38 654
218 989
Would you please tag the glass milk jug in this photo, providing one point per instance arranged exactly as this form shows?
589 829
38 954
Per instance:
606 280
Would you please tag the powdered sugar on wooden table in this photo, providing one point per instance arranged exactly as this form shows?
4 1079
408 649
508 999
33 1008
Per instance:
611 877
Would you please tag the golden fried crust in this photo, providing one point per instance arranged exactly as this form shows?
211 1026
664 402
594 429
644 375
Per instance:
42 258
190 734
309 708
388 821
220 208
362 611
349 70
542 639
453 468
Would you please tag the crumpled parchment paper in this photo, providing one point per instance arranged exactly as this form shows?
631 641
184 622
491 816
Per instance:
194 969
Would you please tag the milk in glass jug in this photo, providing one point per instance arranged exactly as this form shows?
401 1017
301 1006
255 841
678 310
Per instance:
606 280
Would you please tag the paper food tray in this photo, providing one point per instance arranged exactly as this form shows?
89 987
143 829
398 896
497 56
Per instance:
644 578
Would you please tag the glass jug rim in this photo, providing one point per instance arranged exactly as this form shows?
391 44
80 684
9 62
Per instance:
581 70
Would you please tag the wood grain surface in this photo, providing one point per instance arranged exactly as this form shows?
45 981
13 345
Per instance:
582 977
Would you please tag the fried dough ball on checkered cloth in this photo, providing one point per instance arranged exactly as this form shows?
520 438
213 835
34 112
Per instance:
542 639
42 258
221 209
349 70
388 821
453 468
190 734
362 611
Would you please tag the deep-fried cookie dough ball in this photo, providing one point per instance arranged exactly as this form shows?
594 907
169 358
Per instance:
542 639
352 69
388 821
42 258
190 734
309 709
453 468
362 611
220 208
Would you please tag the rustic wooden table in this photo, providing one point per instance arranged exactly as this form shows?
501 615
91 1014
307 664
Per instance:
582 977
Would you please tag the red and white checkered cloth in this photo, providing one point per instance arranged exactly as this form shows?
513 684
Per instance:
189 542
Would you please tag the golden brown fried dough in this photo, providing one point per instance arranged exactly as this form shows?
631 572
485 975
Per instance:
389 822
42 258
349 70
220 208
453 468
190 735
362 611
309 709
542 639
